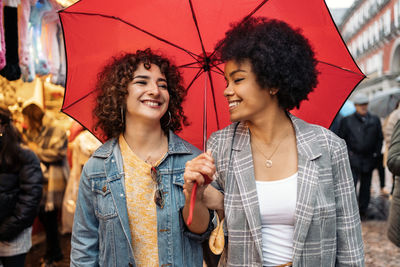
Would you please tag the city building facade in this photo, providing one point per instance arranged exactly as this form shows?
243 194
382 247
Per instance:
371 30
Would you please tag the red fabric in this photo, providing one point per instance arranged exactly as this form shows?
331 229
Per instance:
91 40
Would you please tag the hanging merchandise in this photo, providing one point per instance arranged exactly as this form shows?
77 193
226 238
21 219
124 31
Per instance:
2 43
40 59
11 71
50 26
60 79
25 42
12 3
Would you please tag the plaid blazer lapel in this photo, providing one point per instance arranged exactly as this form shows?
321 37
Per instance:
308 150
243 172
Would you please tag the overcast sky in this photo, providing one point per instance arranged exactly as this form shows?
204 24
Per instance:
339 3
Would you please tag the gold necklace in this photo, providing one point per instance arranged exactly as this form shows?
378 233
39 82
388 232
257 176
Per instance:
268 161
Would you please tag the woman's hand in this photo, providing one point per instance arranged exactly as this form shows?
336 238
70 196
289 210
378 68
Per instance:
197 170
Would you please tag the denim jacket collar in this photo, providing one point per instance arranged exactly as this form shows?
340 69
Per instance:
175 146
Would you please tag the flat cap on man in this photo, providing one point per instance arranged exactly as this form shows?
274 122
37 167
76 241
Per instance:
360 99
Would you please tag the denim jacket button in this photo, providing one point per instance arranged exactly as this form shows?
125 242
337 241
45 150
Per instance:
104 189
130 265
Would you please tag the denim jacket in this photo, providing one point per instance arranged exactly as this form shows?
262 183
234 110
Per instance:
101 234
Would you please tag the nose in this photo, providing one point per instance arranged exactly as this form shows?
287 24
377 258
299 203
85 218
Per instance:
228 91
154 89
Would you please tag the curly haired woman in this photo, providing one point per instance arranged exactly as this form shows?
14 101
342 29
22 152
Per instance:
130 193
284 185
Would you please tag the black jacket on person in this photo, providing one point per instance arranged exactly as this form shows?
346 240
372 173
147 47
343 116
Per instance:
364 137
20 195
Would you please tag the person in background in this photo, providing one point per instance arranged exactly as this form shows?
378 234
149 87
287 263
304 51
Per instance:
82 147
390 122
336 123
49 142
20 193
393 164
284 185
130 193
380 167
388 127
362 132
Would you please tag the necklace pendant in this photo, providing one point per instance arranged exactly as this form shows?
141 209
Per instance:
268 163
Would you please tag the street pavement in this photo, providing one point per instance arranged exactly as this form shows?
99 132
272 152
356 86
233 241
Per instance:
379 251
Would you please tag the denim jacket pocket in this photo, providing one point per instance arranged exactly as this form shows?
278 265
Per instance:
104 204
177 180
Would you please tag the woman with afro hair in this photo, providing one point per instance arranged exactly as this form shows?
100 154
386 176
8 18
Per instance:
130 193
283 186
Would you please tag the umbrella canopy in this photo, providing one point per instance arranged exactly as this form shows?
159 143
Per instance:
383 103
187 31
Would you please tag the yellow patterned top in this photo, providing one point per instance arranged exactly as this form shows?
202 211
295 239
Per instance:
140 189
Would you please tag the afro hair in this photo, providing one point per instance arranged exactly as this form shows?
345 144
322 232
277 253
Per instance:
281 57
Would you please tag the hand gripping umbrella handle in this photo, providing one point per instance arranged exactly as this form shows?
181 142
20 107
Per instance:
207 180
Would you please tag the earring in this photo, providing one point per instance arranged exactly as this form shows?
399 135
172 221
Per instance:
122 115
169 120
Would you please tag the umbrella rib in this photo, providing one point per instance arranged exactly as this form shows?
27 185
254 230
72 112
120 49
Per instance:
193 55
197 27
254 11
76 101
194 79
217 72
243 20
220 71
326 63
188 65
213 96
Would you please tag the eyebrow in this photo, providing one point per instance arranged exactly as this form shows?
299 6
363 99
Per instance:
236 71
148 77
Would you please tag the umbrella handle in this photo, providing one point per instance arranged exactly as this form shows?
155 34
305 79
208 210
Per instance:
192 202
207 180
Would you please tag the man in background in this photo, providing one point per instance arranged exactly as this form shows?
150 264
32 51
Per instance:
362 132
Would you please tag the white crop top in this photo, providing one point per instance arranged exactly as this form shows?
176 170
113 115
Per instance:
277 201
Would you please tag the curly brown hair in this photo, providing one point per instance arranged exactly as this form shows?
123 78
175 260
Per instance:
112 85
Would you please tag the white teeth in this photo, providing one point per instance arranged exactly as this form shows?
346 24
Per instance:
151 103
234 104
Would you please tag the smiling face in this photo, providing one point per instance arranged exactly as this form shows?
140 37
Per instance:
148 95
247 100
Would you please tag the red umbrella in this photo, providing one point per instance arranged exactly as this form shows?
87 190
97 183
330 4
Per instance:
187 31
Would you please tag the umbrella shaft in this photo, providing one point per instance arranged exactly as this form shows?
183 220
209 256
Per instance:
205 115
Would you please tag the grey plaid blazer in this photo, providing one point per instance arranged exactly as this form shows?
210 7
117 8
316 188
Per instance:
327 229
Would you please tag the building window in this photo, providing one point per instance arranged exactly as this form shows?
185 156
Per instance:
376 31
387 22
370 36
